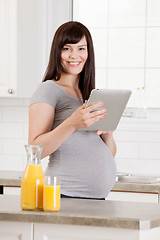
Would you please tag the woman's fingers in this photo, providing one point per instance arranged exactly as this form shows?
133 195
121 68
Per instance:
83 105
94 106
85 117
100 113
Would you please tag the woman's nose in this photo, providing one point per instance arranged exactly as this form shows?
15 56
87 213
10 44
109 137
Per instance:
73 54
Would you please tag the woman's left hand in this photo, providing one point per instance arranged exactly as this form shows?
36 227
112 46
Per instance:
99 132
107 137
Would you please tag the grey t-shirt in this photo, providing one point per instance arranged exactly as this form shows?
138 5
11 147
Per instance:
84 162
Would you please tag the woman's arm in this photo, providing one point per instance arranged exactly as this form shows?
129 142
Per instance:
41 117
107 137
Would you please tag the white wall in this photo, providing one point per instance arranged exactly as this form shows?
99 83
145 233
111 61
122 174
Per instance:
138 145
14 134
138 140
126 37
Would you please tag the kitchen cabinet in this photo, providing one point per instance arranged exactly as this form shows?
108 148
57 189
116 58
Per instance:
26 28
24 231
66 232
80 219
16 231
10 190
22 47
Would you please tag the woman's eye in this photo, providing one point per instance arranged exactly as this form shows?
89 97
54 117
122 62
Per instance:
82 48
66 48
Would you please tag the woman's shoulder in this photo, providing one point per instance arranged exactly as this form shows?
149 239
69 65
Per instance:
48 84
46 92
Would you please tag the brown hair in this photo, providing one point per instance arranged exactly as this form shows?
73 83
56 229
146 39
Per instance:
72 32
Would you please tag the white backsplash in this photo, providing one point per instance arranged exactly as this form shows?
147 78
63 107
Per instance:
138 140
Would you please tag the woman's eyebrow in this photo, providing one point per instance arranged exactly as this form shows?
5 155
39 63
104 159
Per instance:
82 45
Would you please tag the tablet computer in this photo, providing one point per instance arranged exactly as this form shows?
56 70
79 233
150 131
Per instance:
115 101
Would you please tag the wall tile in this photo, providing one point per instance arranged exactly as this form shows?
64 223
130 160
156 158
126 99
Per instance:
126 79
25 130
127 150
14 146
152 86
14 114
137 136
101 78
154 113
11 163
139 167
26 102
95 14
11 102
153 10
99 36
126 48
11 130
0 113
0 148
149 150
153 48
127 13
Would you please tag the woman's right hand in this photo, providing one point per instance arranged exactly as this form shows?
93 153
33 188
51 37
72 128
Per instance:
84 117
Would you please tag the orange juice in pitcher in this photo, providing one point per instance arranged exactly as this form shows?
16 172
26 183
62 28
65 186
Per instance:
32 180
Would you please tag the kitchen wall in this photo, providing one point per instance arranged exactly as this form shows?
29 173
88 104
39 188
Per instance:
138 144
138 140
126 37
14 134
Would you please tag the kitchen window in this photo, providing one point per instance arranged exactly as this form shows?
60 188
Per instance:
126 36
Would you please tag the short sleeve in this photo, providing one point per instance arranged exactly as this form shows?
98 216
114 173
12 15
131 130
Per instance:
46 93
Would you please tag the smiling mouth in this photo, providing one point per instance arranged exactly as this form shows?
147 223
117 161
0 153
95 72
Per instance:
74 63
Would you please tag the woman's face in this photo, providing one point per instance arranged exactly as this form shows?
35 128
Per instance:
74 57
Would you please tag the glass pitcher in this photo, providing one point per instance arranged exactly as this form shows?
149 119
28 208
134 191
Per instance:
32 179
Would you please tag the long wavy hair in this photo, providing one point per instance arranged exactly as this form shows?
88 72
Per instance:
72 32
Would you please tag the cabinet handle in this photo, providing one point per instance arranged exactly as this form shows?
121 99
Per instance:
10 91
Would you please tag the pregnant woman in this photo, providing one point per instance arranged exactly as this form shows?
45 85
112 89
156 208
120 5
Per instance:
84 160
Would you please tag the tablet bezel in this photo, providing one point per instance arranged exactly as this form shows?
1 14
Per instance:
115 101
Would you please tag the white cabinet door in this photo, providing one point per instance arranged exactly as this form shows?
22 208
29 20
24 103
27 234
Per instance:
133 197
27 28
21 46
16 231
78 232
8 47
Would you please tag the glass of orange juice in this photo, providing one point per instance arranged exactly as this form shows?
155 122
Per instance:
51 193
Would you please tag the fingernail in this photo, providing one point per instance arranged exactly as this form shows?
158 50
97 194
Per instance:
105 111
104 115
100 119
101 103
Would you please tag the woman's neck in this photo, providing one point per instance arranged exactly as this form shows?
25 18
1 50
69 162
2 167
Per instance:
69 80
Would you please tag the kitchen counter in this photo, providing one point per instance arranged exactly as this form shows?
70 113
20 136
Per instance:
86 212
87 219
137 187
12 178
